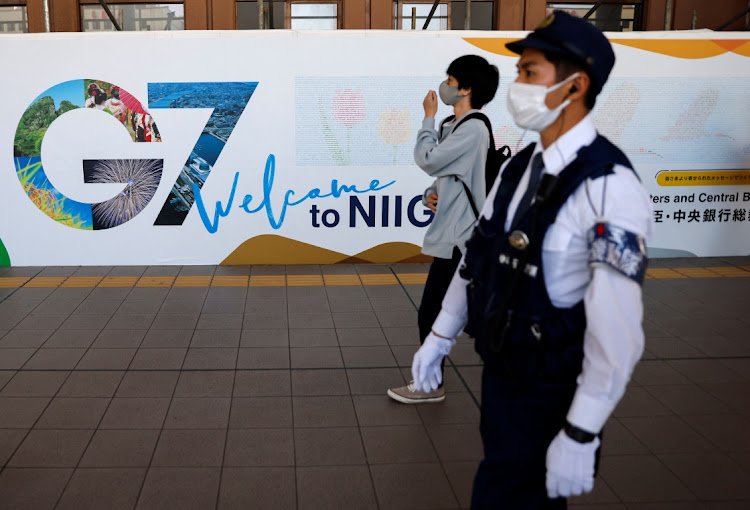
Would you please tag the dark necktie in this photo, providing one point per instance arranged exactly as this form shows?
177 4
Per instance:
537 165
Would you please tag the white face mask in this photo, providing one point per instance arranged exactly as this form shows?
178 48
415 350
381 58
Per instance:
526 104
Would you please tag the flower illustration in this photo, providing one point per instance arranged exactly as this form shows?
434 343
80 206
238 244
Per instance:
348 107
394 128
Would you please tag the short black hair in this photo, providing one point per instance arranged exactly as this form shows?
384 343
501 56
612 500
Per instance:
566 66
473 71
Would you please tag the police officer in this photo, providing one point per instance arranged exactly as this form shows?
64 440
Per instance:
550 285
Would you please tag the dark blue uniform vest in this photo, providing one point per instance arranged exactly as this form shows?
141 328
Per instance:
517 329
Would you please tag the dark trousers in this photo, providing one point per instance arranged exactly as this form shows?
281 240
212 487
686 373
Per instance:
438 279
518 422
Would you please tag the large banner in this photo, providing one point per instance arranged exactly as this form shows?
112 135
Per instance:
296 147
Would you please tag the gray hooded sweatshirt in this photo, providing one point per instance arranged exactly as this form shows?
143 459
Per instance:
462 154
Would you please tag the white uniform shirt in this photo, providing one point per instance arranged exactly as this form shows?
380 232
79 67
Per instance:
613 340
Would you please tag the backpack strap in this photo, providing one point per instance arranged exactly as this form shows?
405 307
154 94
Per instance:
483 117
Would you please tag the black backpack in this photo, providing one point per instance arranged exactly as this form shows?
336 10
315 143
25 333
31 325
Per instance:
495 157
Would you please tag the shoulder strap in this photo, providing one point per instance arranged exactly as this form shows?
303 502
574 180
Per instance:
483 117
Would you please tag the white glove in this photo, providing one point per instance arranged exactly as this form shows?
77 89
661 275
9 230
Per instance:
570 466
425 368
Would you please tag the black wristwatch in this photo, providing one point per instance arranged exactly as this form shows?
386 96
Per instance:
577 434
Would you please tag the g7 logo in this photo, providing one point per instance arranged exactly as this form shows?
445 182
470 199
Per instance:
141 177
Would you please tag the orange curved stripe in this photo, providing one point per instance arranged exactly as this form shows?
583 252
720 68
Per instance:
689 48
493 45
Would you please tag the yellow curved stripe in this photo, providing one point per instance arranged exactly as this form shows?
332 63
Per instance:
496 46
680 48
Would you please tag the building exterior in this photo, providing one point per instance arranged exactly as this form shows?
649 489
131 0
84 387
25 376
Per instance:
613 15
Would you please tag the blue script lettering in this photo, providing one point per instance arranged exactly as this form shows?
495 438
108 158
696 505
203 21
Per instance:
266 204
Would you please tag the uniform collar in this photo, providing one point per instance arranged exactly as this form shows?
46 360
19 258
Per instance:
561 153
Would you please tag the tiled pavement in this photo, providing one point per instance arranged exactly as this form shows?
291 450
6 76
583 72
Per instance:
144 387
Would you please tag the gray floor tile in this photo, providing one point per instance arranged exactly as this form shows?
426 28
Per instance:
316 357
93 271
205 384
187 294
51 448
306 292
181 306
666 434
25 338
120 448
39 321
131 321
319 382
672 348
93 488
458 408
73 413
34 384
405 335
397 318
639 402
374 381
328 411
727 431
36 489
381 304
259 447
710 476
429 490
162 271
313 338
135 413
197 270
148 384
167 338
376 410
619 440
54 359
261 412
372 356
329 446
461 477
179 488
309 305
216 338
310 320
217 358
275 319
21 412
189 448
268 487
232 271
224 305
688 399
98 307
397 444
106 359
158 359
175 321
198 413
9 441
355 320
270 305
220 321
263 358
71 338
262 383
265 338
349 304
353 483
457 441
91 384
140 306
642 478
360 337
119 339
12 359
57 306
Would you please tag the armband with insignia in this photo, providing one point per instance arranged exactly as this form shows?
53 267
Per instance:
623 251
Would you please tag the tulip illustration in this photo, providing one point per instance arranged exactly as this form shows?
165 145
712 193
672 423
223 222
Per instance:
394 128
348 110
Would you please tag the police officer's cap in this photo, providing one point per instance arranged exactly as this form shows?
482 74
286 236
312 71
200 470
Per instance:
574 38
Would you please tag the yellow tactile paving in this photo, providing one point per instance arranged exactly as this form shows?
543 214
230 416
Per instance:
155 281
412 278
230 281
696 272
730 271
12 282
341 279
82 282
119 281
192 281
46 282
304 280
378 279
268 281
663 272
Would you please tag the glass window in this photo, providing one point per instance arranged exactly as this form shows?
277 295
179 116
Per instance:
247 15
13 19
624 17
134 17
439 19
315 16
481 15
